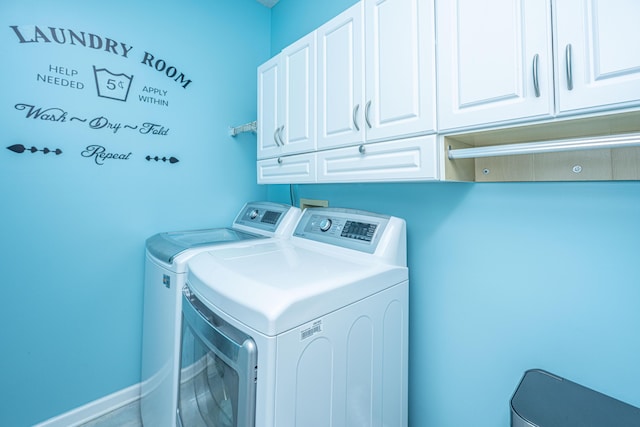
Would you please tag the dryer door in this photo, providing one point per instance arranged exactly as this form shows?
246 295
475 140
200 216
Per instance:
218 370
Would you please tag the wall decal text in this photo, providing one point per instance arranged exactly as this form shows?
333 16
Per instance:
56 114
156 96
113 81
34 34
100 154
170 71
67 79
27 34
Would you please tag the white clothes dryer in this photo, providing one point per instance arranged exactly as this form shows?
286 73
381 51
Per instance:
310 331
165 272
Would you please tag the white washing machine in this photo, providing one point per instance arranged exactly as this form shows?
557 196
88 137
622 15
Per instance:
165 272
309 332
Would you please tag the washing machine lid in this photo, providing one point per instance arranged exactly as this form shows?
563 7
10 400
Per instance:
275 286
256 220
167 246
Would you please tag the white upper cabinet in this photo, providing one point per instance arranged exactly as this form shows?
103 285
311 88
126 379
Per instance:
597 53
286 101
494 62
376 73
399 68
340 79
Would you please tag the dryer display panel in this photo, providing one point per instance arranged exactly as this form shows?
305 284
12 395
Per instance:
359 230
342 227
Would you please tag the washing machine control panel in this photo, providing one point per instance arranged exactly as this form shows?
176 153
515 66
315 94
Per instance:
347 228
262 215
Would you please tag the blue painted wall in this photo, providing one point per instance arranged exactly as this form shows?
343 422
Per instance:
73 230
503 277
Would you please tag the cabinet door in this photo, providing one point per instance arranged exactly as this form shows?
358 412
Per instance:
598 56
299 168
268 108
340 79
400 68
298 106
494 61
411 159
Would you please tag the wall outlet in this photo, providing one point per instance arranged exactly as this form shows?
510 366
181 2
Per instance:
313 203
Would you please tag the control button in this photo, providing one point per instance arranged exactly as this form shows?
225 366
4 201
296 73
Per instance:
254 214
325 225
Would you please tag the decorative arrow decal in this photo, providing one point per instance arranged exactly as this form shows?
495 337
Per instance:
171 160
19 148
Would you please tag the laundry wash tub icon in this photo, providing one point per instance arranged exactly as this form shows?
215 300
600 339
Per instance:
112 85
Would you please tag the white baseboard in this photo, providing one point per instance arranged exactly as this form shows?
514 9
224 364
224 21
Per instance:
95 409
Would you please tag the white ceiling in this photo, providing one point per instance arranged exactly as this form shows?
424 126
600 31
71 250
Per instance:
268 3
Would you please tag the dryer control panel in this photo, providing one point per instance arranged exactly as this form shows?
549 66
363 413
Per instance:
348 228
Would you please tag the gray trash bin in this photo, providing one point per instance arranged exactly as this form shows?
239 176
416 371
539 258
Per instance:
546 400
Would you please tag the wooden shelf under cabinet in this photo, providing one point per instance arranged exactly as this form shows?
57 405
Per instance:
588 165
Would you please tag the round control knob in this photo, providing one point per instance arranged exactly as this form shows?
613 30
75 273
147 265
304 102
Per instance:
254 214
325 224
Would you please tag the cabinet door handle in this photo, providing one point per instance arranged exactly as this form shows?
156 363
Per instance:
536 83
567 55
275 137
366 113
355 116
280 135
